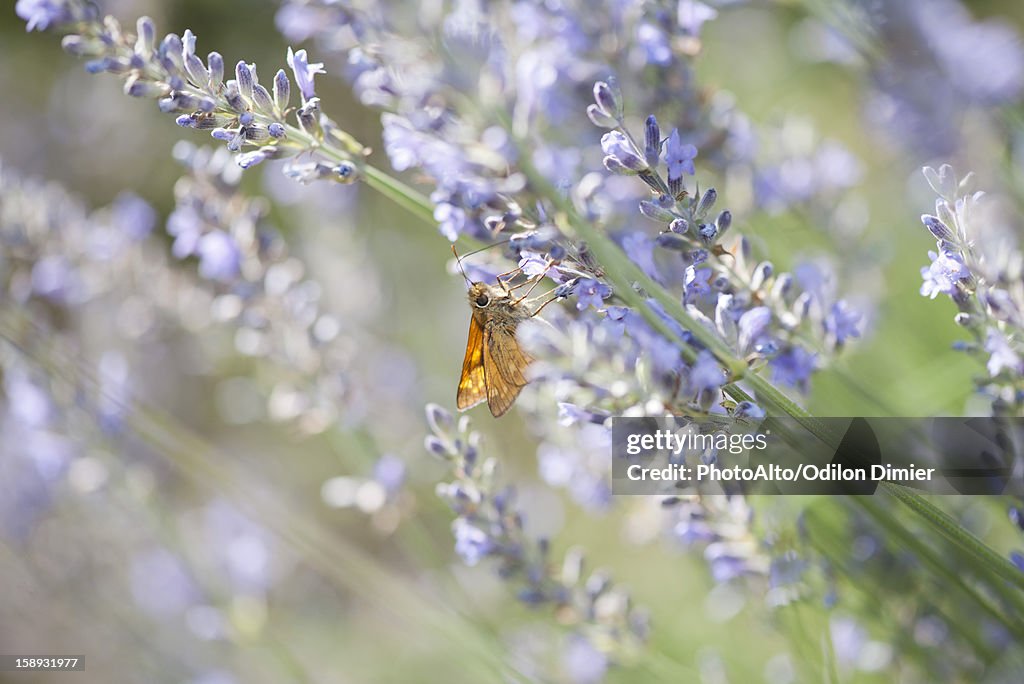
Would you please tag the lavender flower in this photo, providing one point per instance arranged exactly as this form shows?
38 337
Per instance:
240 112
489 526
304 73
679 157
974 269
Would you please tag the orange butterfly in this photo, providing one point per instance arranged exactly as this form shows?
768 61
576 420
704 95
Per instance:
494 364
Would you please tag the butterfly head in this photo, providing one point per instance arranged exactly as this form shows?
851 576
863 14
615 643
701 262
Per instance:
481 295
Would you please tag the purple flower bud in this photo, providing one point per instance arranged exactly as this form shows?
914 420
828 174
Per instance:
262 99
707 232
249 159
186 121
244 79
308 114
618 146
607 101
652 141
440 420
748 410
145 44
435 446
136 86
679 225
762 272
783 285
672 241
557 252
345 172
936 227
197 73
617 167
282 90
566 289
170 52
215 63
653 211
246 119
723 222
707 201
82 47
234 98
276 130
307 172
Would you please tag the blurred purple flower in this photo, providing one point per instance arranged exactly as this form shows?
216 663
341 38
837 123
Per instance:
640 248
752 325
54 278
133 216
389 473
160 583
696 283
1003 357
243 547
583 663
794 367
692 16
706 374
471 543
654 43
843 321
219 256
39 14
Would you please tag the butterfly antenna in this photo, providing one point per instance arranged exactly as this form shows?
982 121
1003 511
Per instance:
458 260
485 247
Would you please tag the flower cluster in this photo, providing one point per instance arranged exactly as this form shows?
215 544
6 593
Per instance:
456 107
977 264
250 117
762 315
67 410
260 291
490 526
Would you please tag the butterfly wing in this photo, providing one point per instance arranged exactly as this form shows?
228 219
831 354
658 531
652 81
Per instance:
504 363
472 383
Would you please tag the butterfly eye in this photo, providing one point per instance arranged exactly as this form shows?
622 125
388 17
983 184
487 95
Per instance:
483 300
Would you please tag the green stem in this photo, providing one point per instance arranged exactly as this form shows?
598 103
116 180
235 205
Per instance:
955 533
937 564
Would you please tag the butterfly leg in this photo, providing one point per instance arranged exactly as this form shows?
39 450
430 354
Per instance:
552 299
